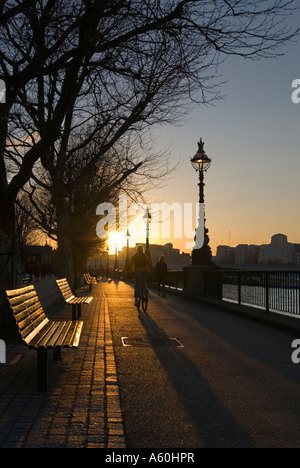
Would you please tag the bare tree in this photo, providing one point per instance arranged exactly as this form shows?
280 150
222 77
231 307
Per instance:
27 229
131 167
137 63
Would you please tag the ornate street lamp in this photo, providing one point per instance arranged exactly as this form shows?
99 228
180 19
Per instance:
201 163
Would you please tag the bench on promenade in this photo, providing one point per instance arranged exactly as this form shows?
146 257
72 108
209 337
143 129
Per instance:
69 297
90 280
38 332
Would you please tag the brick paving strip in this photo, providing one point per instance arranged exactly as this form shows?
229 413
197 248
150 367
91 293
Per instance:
81 408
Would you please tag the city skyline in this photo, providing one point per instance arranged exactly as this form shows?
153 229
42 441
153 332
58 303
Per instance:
252 137
116 241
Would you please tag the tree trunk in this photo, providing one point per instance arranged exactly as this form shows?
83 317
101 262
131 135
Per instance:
64 241
64 258
10 264
10 270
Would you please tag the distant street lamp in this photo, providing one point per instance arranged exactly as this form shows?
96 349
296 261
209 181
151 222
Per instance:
201 163
147 216
107 261
127 255
107 258
116 258
127 252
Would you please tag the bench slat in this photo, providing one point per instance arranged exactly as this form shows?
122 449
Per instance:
39 339
29 338
20 299
22 308
18 292
77 334
31 322
70 298
58 338
32 309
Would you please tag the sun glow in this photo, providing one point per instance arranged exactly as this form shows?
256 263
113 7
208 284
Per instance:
116 239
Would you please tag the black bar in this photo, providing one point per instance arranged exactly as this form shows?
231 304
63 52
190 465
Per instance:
42 369
73 311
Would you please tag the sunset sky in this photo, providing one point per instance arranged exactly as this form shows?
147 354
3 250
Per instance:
252 189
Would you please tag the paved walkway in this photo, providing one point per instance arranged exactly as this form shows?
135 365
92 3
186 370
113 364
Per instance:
82 407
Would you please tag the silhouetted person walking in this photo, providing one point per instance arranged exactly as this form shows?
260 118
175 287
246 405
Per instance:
161 271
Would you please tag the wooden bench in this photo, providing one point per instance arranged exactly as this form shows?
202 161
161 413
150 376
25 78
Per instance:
69 297
89 280
38 332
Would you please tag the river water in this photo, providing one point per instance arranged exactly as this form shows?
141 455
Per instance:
286 300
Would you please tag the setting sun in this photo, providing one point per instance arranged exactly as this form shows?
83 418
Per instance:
118 239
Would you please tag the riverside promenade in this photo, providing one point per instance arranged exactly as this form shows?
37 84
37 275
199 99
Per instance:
184 374
81 408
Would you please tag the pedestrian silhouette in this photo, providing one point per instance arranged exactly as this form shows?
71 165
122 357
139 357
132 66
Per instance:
161 271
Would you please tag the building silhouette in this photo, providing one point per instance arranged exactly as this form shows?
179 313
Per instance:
175 259
278 252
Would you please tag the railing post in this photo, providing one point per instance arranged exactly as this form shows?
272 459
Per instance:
220 286
267 290
239 288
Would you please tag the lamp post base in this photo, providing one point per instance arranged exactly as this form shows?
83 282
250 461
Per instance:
202 257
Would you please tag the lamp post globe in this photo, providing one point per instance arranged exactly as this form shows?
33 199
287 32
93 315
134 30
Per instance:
201 163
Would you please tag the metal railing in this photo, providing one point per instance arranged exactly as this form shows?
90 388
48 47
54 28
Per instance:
272 291
277 291
175 280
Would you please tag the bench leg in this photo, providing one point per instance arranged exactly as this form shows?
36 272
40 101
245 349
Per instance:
79 311
73 311
42 369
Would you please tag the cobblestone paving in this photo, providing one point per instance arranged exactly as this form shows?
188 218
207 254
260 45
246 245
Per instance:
81 408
